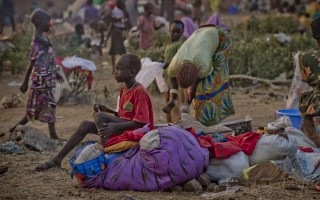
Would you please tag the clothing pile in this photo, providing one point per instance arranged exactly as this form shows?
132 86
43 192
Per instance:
159 158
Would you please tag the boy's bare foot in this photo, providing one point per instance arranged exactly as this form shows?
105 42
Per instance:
3 169
48 165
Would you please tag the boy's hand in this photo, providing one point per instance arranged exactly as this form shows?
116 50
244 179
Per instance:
108 129
24 87
59 78
99 108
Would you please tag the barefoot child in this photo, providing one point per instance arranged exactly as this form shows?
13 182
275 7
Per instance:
120 19
41 104
135 110
146 25
176 31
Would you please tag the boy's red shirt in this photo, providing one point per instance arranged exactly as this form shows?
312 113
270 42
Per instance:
135 105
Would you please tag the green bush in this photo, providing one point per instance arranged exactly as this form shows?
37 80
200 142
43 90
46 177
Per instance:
256 52
19 54
156 53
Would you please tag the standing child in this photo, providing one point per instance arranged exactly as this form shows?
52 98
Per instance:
310 100
146 25
120 19
135 111
41 104
176 31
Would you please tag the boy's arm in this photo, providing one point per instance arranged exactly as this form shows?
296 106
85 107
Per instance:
24 86
119 128
102 108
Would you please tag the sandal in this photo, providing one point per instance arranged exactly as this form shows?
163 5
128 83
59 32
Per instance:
46 166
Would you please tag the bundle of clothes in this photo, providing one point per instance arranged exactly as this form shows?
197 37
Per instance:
156 159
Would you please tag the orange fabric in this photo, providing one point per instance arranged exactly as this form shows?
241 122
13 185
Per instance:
119 147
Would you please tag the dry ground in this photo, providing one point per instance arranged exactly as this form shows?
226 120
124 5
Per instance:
22 182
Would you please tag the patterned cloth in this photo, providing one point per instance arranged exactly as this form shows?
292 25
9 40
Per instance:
41 103
309 102
310 72
212 101
223 150
178 159
43 75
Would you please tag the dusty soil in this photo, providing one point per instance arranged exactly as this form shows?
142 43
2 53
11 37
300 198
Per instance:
22 182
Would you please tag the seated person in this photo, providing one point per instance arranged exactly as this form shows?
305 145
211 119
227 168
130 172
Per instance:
310 101
135 111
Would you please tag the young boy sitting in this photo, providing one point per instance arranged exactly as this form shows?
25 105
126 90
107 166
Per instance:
135 110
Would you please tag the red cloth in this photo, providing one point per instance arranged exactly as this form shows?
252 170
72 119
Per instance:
135 105
223 150
306 149
247 142
126 136
219 150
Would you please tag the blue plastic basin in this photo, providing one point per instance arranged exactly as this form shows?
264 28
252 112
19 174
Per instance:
293 114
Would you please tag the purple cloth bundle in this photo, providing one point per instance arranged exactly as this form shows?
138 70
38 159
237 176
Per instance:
178 159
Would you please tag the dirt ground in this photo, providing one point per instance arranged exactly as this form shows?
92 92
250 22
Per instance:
22 182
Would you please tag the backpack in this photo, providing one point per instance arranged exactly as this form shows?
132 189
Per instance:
87 169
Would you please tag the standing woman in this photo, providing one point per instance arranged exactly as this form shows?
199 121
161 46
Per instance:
205 72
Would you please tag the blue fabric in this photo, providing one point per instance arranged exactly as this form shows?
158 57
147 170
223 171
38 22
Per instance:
109 158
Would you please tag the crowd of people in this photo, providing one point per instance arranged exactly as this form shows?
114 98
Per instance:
200 76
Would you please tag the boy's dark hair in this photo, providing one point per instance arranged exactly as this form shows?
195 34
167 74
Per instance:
177 22
37 16
134 61
79 28
147 6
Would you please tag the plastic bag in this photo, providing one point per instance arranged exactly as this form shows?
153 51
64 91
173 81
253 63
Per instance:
60 87
75 61
219 169
273 147
150 71
307 165
297 86
300 137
